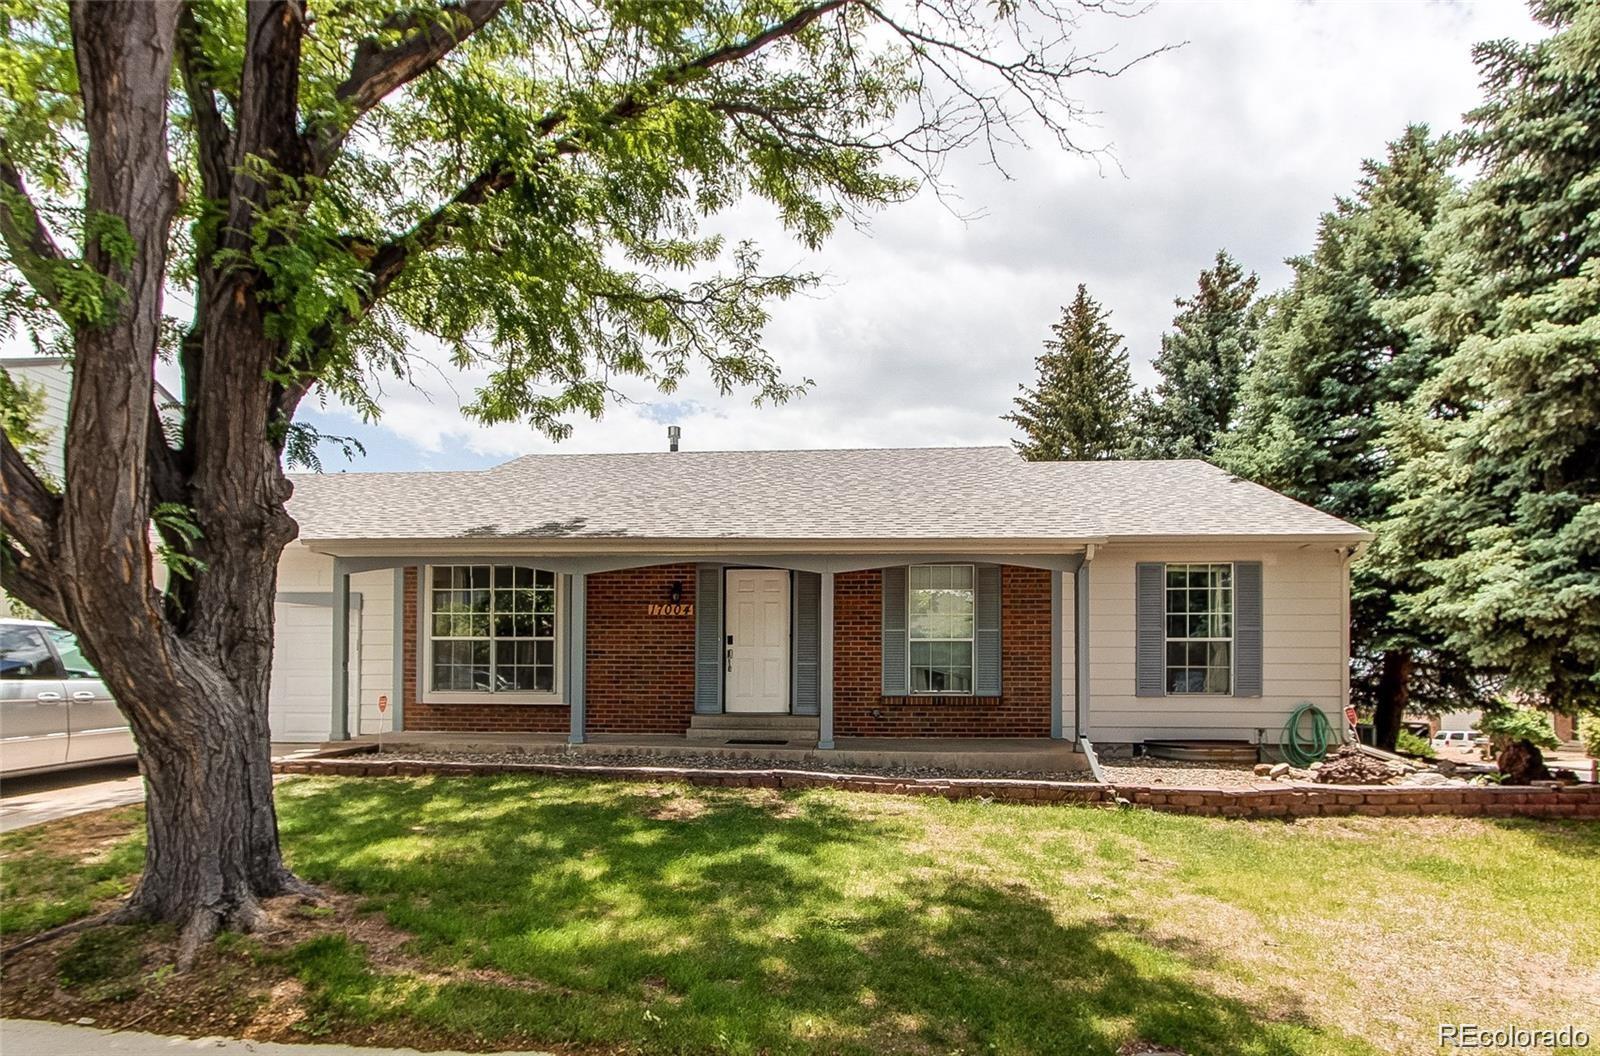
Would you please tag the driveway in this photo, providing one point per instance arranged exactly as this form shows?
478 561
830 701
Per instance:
34 799
30 800
63 1039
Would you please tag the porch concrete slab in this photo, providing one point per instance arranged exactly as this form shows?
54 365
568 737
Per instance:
454 741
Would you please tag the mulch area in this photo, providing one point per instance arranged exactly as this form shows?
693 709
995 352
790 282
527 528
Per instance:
1173 773
712 761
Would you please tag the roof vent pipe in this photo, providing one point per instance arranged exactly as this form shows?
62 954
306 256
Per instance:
673 432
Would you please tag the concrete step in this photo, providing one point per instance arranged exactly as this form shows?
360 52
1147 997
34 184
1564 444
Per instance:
753 722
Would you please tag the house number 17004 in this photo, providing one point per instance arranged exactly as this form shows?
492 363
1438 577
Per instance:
686 609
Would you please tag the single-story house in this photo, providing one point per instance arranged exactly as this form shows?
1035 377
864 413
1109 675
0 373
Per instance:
925 592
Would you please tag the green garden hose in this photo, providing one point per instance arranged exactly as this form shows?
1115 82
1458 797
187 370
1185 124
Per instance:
1300 750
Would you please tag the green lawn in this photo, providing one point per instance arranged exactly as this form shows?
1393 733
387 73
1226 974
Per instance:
600 915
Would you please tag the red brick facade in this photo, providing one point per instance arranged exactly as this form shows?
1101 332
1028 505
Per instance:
639 668
1022 710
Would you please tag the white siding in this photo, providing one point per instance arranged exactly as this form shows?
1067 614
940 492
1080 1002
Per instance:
1303 647
54 376
301 698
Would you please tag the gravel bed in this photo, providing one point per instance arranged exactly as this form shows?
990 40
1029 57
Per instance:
693 760
1177 773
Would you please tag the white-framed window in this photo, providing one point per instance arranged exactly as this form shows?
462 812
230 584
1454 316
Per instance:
491 629
943 611
1200 628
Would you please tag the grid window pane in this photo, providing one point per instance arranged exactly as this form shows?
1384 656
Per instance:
942 619
1199 625
493 627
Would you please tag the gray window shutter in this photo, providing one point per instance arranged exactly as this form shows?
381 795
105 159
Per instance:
708 640
807 650
986 640
1247 628
894 632
1150 637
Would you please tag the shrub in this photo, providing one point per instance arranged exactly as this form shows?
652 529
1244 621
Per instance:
1408 743
1589 735
1507 724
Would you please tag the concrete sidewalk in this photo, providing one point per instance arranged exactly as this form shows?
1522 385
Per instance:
29 1037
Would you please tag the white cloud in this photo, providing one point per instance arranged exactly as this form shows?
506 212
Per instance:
1239 139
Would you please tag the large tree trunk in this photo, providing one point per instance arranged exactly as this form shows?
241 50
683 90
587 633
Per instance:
1394 694
212 831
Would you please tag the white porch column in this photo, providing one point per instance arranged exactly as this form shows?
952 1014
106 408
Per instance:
1080 663
1057 647
825 665
339 726
577 602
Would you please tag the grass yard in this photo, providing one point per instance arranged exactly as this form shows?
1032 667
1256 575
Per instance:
595 916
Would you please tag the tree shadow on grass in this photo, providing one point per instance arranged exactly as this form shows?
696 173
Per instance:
722 924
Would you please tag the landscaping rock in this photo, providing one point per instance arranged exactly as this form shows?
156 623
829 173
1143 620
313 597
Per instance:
1278 770
1263 769
1349 765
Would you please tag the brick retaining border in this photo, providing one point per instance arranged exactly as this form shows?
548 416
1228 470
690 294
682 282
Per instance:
1299 801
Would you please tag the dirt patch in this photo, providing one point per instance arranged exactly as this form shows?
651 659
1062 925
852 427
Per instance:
238 987
86 837
671 804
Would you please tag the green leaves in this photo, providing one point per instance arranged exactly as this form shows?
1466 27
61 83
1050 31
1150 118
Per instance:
1502 493
178 535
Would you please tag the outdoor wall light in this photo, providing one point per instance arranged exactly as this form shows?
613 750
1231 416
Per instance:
675 592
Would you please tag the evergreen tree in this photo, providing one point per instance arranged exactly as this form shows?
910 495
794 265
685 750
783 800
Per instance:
1501 491
1201 362
1311 414
1080 404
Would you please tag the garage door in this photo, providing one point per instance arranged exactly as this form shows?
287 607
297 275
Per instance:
299 703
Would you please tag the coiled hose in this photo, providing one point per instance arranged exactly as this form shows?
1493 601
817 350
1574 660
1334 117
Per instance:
1299 749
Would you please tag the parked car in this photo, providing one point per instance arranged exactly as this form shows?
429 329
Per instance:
54 709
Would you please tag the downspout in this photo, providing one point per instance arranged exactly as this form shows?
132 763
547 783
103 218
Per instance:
1347 555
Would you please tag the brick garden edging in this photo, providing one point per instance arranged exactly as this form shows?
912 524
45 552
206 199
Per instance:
1580 801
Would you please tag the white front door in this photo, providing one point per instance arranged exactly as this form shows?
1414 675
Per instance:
758 640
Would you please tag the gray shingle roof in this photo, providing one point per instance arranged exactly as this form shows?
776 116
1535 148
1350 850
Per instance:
904 493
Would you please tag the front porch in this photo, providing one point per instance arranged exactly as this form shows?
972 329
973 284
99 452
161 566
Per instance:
791 656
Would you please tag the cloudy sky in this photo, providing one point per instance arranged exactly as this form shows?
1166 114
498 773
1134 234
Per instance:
928 322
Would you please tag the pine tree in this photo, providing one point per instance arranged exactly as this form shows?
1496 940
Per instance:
1501 495
1201 362
1080 404
1312 406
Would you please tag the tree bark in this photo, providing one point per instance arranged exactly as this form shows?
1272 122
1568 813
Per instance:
1394 694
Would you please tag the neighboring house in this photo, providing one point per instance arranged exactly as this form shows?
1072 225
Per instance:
940 592
53 376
